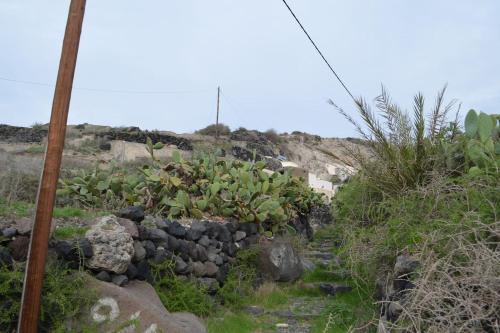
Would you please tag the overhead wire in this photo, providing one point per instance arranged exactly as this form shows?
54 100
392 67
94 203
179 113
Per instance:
113 91
320 53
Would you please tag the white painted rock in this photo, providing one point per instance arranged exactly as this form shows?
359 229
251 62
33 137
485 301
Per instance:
113 247
138 306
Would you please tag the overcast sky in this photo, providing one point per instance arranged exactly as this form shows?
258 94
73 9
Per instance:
270 75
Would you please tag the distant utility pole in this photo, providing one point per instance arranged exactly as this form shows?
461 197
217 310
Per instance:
37 255
217 118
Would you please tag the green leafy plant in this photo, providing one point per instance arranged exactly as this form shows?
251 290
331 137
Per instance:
481 143
202 187
63 297
239 284
178 294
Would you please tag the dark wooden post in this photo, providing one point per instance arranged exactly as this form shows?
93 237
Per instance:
33 280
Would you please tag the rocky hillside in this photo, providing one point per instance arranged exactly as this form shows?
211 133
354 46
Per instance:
127 144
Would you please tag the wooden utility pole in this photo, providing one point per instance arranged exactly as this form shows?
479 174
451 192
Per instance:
33 279
217 118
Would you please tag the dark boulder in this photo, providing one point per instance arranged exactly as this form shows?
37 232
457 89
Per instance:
230 249
173 243
239 235
211 269
198 269
211 285
157 235
176 229
199 225
143 271
224 235
204 241
150 248
131 271
404 268
249 228
183 249
103 276
134 213
193 235
119 280
84 248
300 224
19 248
279 261
161 256
252 240
9 232
222 273
66 250
5 257
231 226
201 253
139 251
181 267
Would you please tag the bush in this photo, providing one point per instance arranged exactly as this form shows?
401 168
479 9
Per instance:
180 295
212 130
375 231
64 297
241 279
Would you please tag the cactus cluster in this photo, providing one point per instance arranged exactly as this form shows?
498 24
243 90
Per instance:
482 144
201 187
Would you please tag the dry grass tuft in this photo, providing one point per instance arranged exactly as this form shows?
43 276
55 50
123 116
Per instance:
459 292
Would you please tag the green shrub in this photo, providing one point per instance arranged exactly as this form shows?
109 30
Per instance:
239 284
379 230
64 297
178 294
212 130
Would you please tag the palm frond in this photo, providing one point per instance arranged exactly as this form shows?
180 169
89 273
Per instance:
438 114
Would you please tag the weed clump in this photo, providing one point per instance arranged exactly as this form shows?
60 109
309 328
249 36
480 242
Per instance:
64 297
241 279
178 294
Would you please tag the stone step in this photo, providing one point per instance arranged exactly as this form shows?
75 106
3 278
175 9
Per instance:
319 255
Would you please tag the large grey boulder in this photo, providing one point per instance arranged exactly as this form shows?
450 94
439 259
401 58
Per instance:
113 247
136 304
279 261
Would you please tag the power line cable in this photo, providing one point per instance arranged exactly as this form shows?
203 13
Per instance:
319 51
233 104
113 91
